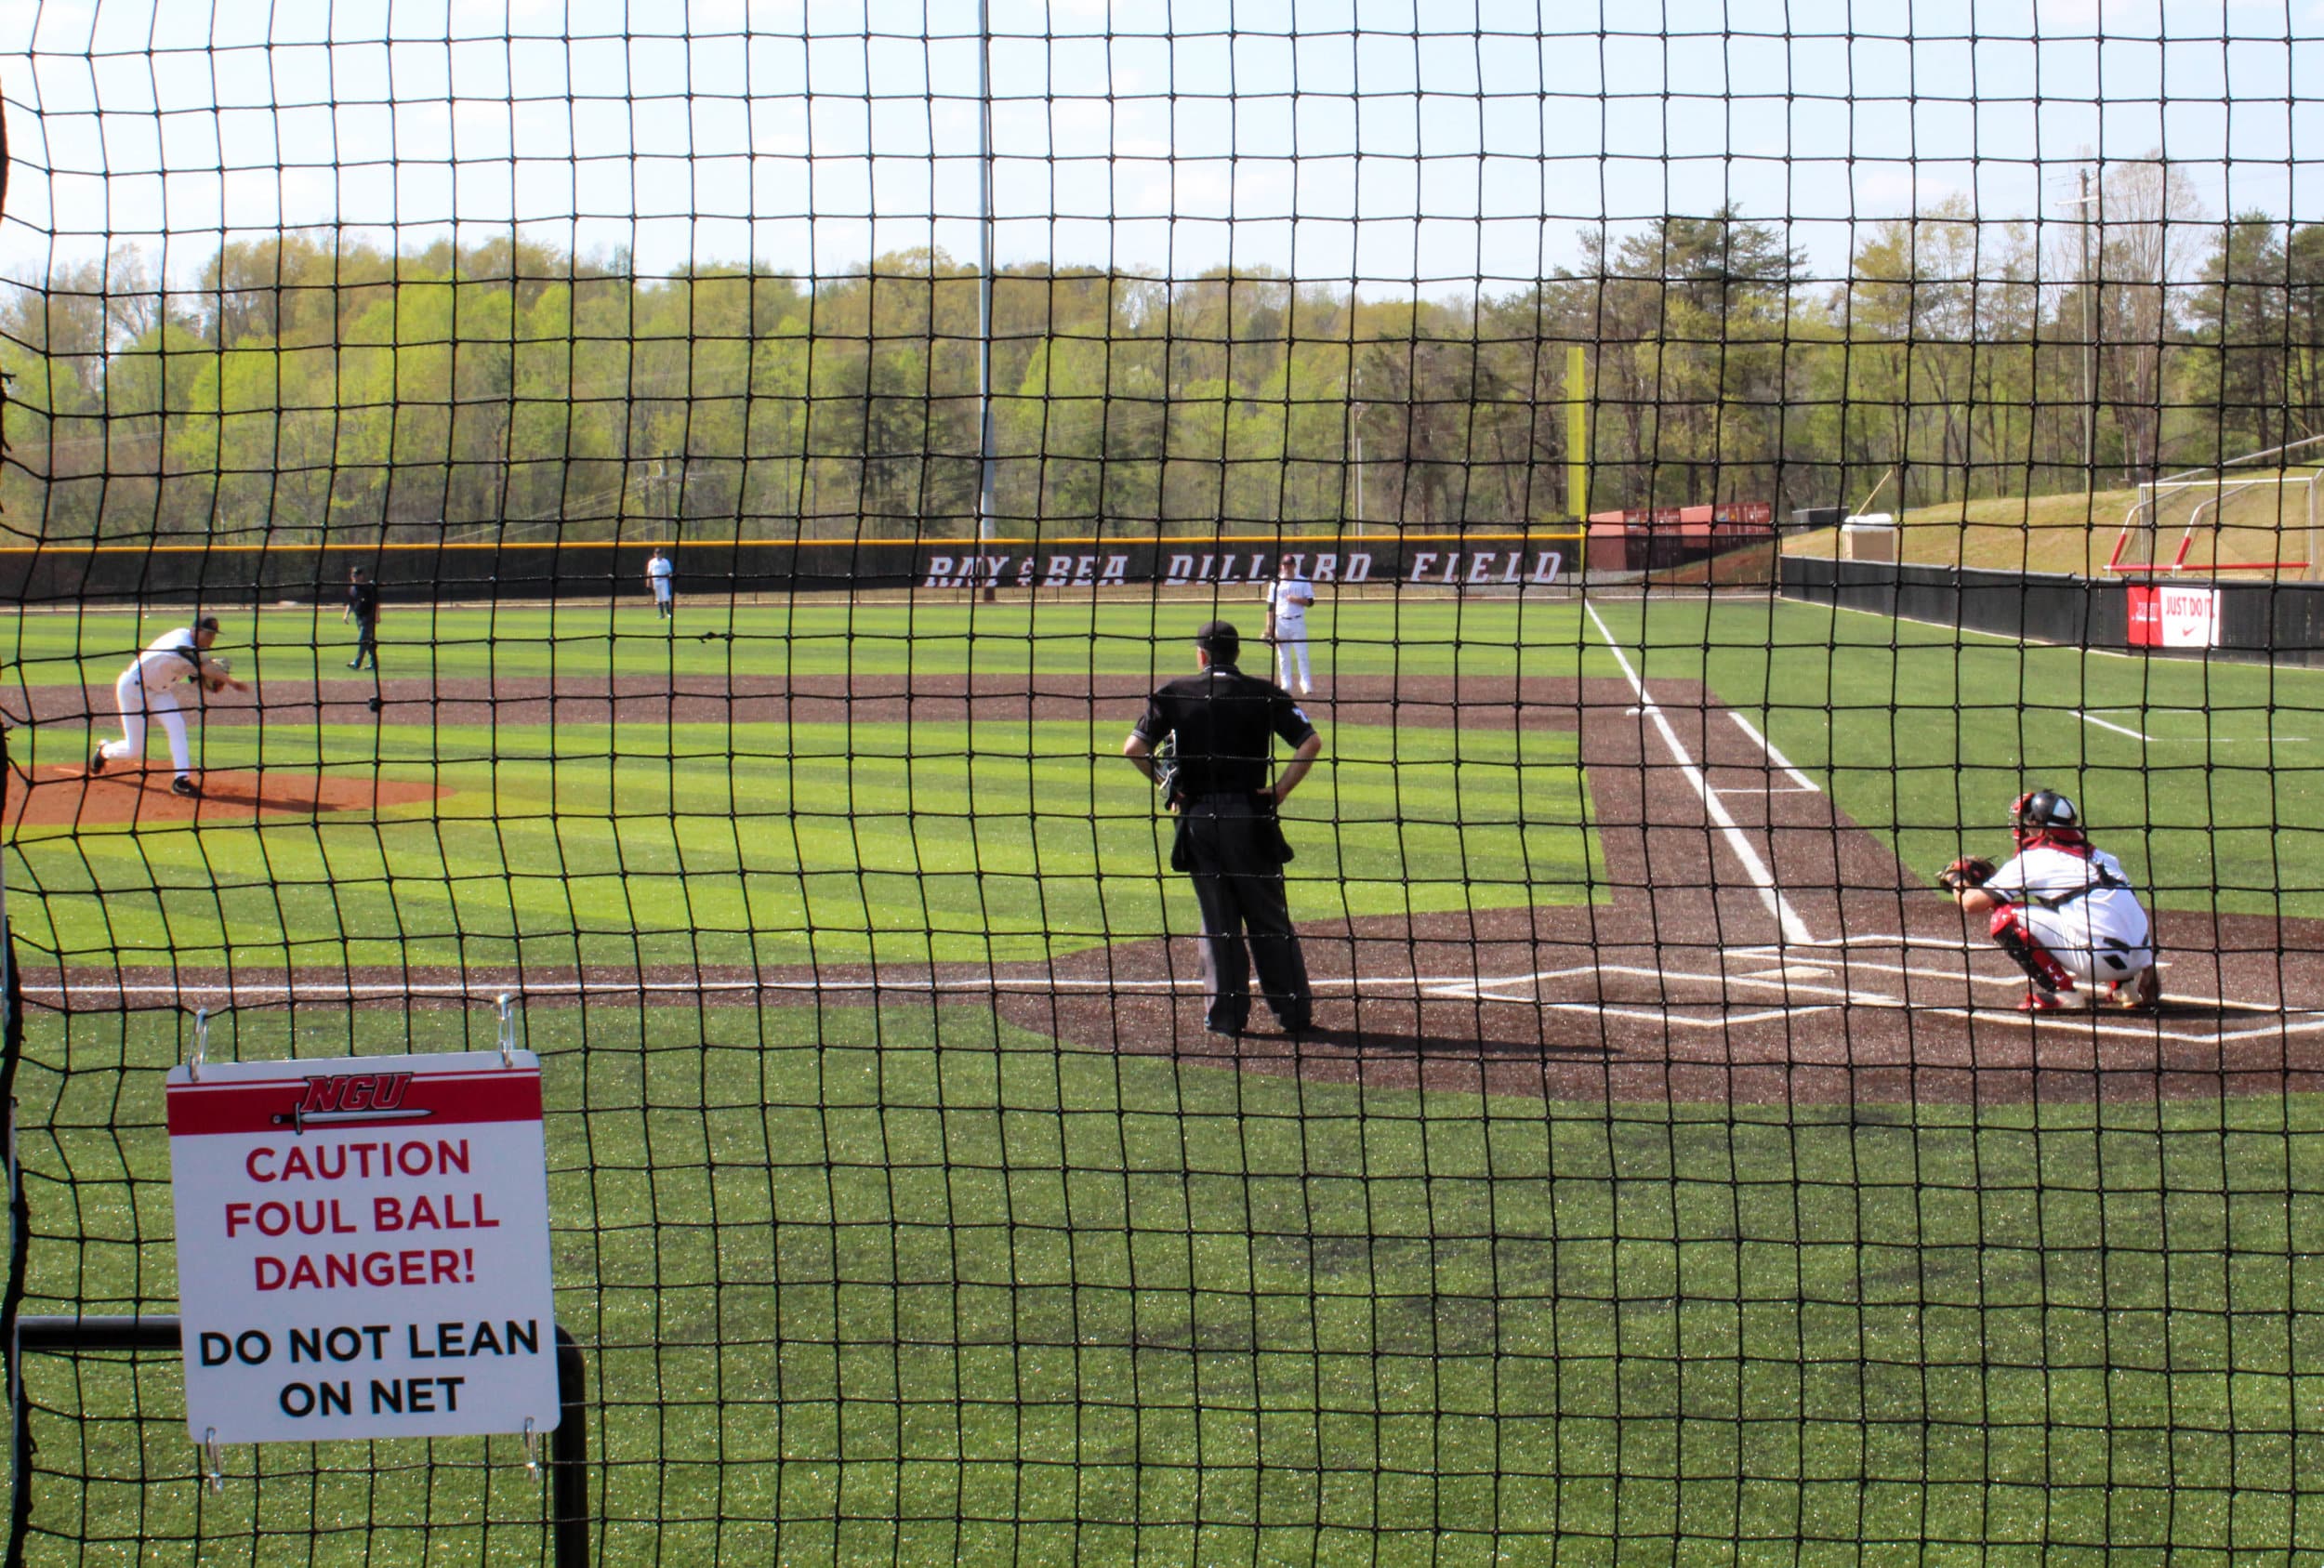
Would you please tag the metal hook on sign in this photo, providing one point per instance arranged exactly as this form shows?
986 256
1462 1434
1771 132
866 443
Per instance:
508 1030
210 1460
201 1044
531 1450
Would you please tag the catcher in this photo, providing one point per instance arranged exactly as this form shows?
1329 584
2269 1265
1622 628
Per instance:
2064 910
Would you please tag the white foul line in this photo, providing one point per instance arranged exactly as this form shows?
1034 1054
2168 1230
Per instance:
1794 928
2102 724
1778 759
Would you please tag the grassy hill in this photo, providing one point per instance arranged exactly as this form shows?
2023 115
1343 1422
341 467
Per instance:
2076 532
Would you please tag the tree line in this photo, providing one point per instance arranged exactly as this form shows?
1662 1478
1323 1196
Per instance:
313 385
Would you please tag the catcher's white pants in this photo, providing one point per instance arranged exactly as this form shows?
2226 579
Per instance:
2089 952
1289 640
136 701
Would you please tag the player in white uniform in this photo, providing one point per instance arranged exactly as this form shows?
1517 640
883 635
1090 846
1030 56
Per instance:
2065 910
1287 598
144 689
658 572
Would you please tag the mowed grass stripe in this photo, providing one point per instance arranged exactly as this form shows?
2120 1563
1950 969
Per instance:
1920 734
770 844
581 639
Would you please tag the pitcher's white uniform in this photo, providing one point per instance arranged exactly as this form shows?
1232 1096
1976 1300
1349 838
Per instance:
144 688
2080 906
1285 603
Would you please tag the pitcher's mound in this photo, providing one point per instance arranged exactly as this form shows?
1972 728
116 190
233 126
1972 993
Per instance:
55 795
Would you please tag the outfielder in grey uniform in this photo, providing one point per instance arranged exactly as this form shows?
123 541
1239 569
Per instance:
145 690
1221 723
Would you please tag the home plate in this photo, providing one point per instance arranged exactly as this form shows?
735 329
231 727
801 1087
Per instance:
1676 996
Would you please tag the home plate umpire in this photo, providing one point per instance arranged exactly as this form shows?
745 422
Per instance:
1219 722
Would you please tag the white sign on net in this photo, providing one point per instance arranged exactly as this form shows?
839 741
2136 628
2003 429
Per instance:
363 1247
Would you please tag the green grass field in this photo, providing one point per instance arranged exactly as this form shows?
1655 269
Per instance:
751 842
909 1284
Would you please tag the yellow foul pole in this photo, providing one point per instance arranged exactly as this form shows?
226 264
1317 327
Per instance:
1577 431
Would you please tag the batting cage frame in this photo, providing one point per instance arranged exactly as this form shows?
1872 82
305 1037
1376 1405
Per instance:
1208 823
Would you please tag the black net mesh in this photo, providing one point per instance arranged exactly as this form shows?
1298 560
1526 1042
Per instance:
1685 471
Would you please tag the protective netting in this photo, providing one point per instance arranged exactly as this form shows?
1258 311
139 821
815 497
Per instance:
1727 455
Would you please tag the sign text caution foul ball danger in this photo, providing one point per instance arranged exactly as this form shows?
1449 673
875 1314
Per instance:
363 1247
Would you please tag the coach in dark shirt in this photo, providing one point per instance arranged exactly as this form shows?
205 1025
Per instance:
1221 722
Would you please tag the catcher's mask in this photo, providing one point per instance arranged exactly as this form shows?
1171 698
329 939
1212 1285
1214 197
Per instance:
2043 812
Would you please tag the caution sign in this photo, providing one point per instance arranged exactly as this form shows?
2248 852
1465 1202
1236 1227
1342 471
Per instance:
363 1247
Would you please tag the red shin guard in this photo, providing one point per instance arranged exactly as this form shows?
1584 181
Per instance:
2020 944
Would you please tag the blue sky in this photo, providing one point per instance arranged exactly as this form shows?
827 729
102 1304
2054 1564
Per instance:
1448 145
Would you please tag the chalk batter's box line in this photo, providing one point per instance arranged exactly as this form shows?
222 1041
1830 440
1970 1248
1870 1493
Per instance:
2284 1019
1464 988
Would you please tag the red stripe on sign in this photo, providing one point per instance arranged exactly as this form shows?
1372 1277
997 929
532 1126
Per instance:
369 1104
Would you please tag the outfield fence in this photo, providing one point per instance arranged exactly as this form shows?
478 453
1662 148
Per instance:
2277 623
522 570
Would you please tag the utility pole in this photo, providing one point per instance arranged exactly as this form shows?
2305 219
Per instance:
1356 422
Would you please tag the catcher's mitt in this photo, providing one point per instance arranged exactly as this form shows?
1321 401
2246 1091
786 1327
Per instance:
1166 770
1970 871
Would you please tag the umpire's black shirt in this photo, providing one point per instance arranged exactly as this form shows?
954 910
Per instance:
1223 719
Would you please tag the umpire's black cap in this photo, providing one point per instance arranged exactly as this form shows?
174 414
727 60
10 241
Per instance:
1220 639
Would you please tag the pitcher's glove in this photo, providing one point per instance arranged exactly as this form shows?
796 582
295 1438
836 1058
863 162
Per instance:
1970 871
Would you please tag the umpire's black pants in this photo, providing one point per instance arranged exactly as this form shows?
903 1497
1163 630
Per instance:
1234 850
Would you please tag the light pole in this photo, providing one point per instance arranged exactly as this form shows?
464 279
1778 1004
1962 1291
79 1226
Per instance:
2090 345
1355 423
986 463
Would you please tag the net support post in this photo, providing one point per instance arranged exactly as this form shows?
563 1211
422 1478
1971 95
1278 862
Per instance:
11 1343
20 1207
569 1456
